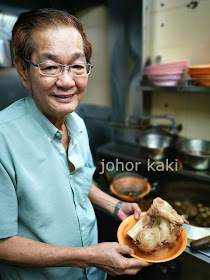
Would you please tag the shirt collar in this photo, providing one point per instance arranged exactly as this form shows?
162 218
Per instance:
73 127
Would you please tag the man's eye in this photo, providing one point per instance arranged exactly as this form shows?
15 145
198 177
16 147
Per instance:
78 66
51 67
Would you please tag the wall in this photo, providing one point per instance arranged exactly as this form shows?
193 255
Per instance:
176 32
95 22
172 31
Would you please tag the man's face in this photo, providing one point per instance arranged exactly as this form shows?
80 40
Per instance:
57 96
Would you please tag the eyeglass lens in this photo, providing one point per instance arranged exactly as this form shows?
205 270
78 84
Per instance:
51 69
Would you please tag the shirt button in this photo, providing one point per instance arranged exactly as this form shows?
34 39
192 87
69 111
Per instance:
62 151
57 134
83 228
49 138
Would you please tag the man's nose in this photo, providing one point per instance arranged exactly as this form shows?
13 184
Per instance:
66 79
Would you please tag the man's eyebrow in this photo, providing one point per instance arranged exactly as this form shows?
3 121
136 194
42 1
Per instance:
48 56
78 55
52 56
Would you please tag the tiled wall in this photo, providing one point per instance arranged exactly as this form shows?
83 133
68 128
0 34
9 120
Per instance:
177 32
173 31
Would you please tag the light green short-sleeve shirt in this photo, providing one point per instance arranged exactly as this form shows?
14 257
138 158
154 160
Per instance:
40 198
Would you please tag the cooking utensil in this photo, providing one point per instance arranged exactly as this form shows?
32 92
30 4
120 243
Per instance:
126 185
194 232
200 236
156 146
194 153
200 243
129 186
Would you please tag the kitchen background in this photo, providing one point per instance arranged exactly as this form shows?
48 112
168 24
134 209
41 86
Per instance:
170 30
125 36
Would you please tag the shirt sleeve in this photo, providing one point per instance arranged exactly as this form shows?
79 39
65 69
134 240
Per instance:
8 203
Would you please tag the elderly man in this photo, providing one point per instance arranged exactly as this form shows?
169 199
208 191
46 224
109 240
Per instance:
48 227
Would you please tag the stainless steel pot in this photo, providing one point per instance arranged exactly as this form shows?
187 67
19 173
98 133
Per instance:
194 153
156 146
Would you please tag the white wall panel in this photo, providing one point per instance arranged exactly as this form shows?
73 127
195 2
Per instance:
95 23
176 32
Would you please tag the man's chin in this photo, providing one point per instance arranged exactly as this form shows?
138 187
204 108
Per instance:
68 108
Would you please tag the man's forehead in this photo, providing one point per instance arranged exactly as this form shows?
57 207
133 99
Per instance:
53 36
53 43
52 56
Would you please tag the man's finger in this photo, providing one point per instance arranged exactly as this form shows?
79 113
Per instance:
124 249
137 212
135 263
132 271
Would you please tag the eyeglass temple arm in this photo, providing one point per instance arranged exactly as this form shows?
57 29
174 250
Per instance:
27 60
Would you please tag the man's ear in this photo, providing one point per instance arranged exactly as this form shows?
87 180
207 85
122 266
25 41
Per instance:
22 72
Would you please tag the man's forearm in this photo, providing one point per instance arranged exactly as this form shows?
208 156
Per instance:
108 256
102 199
20 251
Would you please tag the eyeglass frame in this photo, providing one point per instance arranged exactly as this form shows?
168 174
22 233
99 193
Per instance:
69 67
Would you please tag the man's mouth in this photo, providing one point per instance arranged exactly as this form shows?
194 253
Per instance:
63 96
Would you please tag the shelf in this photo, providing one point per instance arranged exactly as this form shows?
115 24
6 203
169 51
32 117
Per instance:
187 85
181 88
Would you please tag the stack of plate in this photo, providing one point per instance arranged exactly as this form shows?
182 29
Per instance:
167 74
201 73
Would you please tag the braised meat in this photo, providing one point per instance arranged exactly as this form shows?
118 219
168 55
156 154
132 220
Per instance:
158 229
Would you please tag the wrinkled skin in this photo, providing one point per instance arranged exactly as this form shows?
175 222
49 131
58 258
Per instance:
111 259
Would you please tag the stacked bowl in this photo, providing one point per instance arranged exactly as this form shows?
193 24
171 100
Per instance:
166 74
201 74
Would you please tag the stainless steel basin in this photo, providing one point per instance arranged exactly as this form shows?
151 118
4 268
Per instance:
156 146
194 153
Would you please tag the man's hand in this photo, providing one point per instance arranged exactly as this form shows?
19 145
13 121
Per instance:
128 209
109 257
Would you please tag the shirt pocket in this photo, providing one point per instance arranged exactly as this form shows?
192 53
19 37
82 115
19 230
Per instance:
82 182
89 170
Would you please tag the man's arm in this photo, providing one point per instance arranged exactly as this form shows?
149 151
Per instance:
109 203
102 199
20 251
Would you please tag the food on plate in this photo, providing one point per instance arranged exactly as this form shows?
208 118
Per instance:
198 214
157 231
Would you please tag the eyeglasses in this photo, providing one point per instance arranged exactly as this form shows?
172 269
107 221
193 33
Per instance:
55 69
